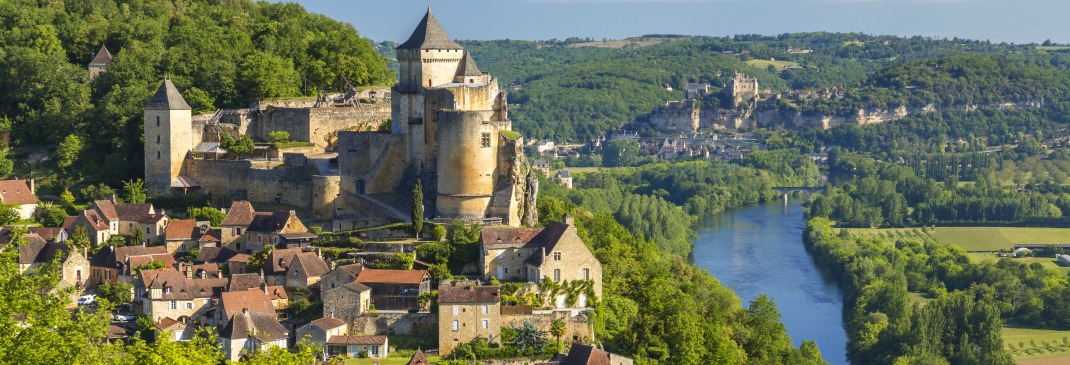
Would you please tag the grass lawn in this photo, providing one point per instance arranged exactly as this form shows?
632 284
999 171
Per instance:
577 170
780 65
918 298
1030 343
387 361
972 238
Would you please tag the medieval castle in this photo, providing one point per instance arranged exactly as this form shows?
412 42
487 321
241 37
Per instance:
448 127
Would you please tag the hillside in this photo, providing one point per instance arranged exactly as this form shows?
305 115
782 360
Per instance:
221 56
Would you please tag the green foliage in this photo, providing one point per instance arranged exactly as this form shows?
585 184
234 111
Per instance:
116 294
417 214
51 215
463 241
79 237
97 192
400 261
68 151
438 232
243 146
621 153
8 215
279 136
210 214
152 265
134 192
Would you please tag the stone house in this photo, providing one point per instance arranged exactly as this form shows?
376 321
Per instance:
341 275
554 253
100 62
346 302
180 235
278 263
248 301
126 219
277 294
96 226
175 330
395 289
250 332
581 354
565 178
376 347
19 194
50 234
246 230
74 267
305 271
318 331
466 313
111 264
167 293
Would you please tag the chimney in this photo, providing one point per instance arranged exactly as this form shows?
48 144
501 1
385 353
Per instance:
113 198
189 271
32 191
567 219
245 311
263 287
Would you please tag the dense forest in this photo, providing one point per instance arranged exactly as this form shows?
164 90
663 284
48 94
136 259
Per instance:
219 56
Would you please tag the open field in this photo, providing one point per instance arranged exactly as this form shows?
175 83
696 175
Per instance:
976 238
618 43
1058 360
890 235
1029 343
577 170
972 238
1052 48
780 65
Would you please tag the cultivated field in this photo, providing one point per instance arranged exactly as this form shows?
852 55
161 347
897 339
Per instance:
1029 343
780 65
618 43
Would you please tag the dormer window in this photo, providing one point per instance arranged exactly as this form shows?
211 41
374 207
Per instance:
167 290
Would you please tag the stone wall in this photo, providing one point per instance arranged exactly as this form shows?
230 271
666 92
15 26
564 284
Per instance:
395 323
220 177
577 328
281 185
370 163
319 126
326 193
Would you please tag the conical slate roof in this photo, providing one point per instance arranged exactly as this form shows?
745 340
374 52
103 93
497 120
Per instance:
102 58
167 98
429 35
468 67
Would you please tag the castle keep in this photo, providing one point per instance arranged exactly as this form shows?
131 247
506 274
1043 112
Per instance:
448 127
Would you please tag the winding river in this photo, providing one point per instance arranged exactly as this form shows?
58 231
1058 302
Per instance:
759 250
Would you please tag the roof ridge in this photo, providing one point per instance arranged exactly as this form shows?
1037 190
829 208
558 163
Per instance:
429 35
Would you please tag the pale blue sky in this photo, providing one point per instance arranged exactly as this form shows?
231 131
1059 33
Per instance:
1018 21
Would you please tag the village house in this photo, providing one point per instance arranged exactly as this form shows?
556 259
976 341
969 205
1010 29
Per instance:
339 276
181 235
246 230
395 289
167 293
126 219
278 264
96 226
276 293
466 313
112 264
50 234
554 253
318 331
346 302
232 303
250 332
175 330
376 347
305 271
20 195
565 178
74 267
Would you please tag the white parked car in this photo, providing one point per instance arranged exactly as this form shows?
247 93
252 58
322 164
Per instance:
87 299
125 317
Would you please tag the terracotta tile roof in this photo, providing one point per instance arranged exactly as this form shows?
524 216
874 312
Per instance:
166 322
391 276
16 192
133 212
211 236
351 269
276 292
581 354
68 222
255 301
311 264
279 260
183 288
48 233
106 208
240 214
182 229
429 35
112 257
328 323
154 218
469 294
217 255
141 260
418 358
93 221
240 257
239 282
357 340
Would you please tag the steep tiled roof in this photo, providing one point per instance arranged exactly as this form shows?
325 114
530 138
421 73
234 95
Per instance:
48 233
357 340
351 269
328 323
239 282
37 250
167 97
111 257
93 221
255 301
212 235
429 35
469 294
391 276
279 260
276 292
240 257
511 237
264 327
217 255
269 221
134 212
240 214
468 66
418 358
68 221
183 288
103 57
181 229
106 208
311 264
16 192
141 260
166 322
581 354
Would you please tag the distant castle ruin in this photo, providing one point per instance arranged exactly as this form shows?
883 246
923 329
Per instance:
448 126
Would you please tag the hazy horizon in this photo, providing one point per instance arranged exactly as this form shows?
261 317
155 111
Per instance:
1026 21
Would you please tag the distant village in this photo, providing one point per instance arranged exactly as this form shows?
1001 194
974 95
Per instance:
313 246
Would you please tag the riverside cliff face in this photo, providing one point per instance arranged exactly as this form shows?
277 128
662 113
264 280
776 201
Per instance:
774 118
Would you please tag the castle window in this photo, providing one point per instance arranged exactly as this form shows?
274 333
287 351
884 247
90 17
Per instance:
157 138
557 275
486 139
486 324
157 121
157 155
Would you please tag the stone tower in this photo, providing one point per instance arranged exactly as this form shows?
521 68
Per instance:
168 137
427 59
99 62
